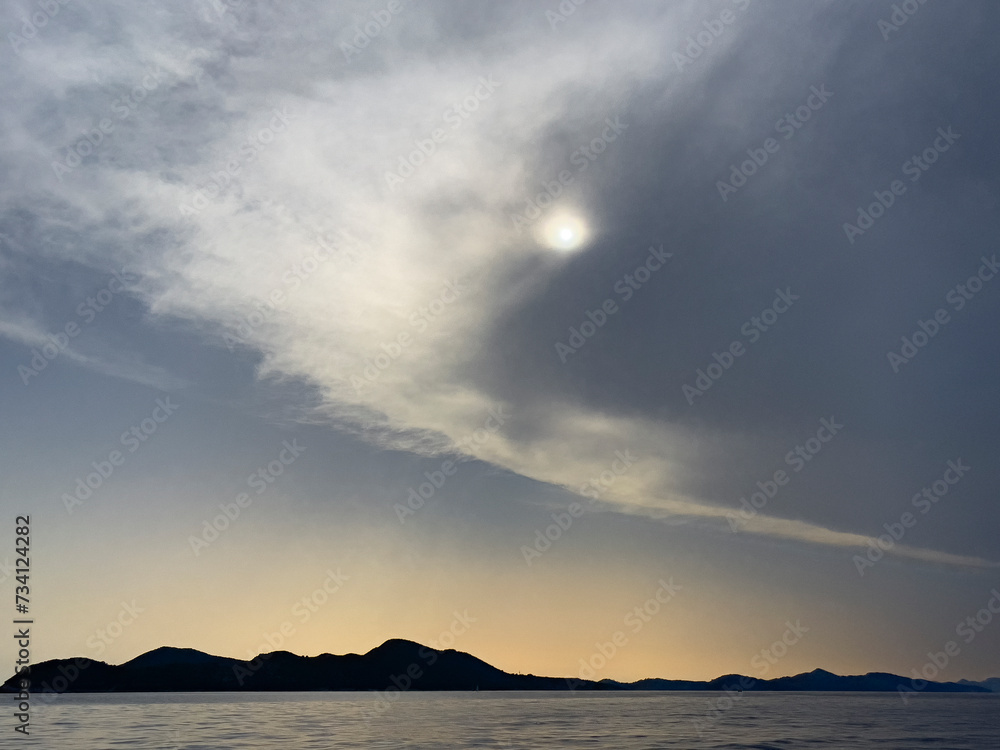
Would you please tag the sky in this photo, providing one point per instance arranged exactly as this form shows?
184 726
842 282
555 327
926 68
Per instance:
604 339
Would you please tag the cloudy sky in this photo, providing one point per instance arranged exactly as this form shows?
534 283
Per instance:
480 324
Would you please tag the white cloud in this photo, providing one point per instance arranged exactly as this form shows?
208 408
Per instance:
324 172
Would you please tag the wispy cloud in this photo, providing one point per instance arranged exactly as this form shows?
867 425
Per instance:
215 203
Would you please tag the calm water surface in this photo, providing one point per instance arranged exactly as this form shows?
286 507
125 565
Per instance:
443 721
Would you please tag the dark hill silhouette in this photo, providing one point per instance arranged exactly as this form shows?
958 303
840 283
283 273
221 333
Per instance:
992 684
396 663
169 656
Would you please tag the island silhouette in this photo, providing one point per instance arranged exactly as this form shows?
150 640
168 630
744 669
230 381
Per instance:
400 665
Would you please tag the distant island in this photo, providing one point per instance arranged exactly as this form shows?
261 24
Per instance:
399 665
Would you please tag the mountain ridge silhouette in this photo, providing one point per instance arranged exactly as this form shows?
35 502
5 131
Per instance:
397 664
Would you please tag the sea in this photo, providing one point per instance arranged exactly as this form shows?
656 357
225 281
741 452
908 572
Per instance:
446 721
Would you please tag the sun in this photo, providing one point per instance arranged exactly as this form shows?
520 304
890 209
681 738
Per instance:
564 231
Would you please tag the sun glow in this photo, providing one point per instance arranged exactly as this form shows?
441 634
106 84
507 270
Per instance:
564 231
